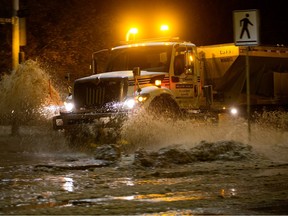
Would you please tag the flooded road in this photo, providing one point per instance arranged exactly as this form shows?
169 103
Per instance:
41 175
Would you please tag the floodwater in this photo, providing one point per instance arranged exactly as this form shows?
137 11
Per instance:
165 168
41 175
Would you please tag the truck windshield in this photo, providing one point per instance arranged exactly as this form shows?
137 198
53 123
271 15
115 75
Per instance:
152 58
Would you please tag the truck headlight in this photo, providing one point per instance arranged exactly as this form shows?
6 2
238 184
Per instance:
68 106
234 111
130 103
158 83
142 98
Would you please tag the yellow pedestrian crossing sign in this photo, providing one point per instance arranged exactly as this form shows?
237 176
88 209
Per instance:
246 27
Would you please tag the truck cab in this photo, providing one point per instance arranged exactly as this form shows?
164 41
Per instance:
173 59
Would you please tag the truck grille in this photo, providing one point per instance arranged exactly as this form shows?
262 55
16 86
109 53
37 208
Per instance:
94 96
99 93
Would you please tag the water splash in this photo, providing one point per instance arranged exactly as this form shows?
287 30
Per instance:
144 132
26 93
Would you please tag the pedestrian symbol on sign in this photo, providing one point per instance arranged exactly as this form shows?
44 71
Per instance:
244 23
246 27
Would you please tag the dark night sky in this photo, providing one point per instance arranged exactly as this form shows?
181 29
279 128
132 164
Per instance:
204 21
211 21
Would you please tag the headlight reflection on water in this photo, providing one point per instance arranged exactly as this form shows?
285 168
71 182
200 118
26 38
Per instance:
232 192
171 197
68 184
166 197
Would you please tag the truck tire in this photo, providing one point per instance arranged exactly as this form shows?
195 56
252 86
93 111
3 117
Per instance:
164 107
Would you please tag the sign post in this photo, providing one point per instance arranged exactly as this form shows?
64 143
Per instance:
246 33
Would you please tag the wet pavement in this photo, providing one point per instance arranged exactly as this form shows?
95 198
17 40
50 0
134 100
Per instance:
39 178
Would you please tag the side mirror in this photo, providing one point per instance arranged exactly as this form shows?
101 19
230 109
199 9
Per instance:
179 65
95 68
94 65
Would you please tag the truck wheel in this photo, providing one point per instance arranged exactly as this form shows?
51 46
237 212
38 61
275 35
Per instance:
164 107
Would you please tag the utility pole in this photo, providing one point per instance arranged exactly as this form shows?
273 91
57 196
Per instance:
15 54
15 35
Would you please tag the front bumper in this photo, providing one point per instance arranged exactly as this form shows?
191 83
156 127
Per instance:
71 120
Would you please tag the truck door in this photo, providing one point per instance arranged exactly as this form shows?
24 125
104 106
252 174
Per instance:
183 82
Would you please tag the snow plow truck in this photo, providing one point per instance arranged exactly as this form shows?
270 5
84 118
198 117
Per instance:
172 78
